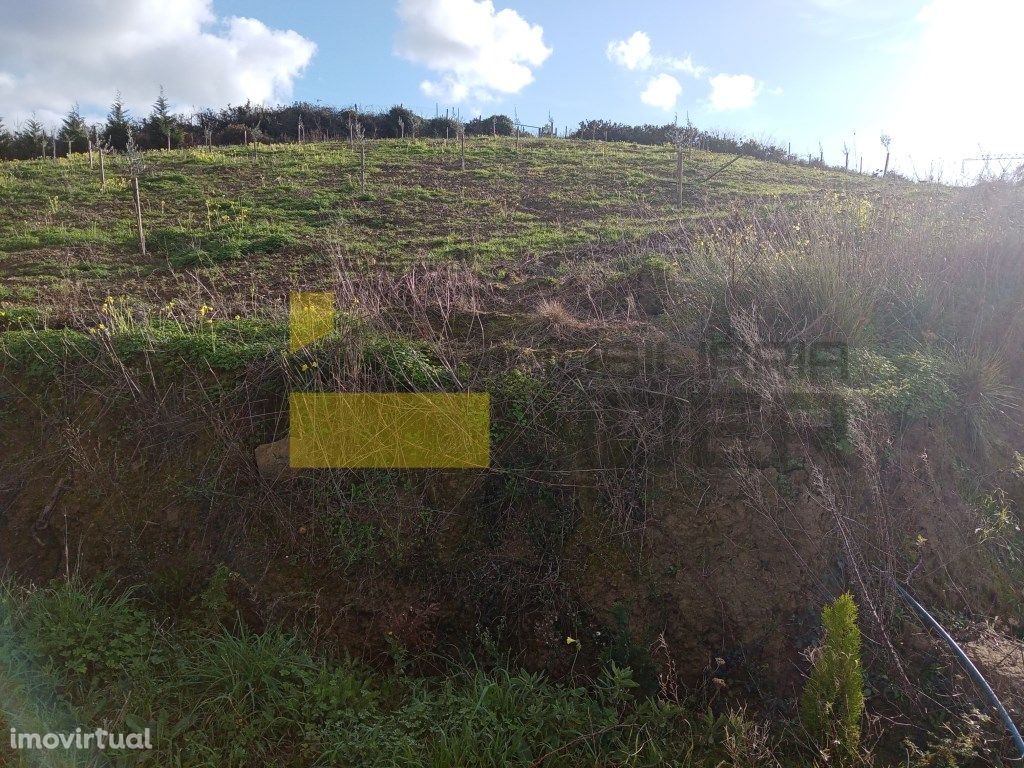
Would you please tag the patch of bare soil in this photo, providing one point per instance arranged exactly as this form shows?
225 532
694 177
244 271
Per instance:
999 657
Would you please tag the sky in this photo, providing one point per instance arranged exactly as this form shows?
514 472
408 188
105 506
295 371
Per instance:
941 77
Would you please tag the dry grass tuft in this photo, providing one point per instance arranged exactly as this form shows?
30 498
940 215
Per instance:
554 316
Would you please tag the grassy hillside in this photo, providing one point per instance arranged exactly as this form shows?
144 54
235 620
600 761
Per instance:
283 218
707 421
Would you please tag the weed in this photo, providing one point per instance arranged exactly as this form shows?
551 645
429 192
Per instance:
42 354
999 521
622 651
13 318
87 630
910 385
405 363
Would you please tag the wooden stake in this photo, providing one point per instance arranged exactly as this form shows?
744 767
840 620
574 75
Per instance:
462 142
362 165
103 172
138 215
679 176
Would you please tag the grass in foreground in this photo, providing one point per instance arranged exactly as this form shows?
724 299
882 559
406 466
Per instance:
215 693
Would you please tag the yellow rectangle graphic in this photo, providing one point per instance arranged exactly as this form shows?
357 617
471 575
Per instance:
310 318
389 430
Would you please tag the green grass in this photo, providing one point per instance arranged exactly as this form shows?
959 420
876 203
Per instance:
214 695
205 209
221 345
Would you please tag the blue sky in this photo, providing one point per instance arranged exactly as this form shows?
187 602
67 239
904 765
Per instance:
820 60
941 76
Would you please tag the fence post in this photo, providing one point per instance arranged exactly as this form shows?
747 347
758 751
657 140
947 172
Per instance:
138 214
679 175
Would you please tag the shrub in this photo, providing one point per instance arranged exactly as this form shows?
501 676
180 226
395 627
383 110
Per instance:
833 699
502 125
910 386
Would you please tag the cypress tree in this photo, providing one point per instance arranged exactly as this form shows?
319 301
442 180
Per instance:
161 121
34 135
833 699
73 131
118 128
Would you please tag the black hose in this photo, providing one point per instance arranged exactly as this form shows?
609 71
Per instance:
966 663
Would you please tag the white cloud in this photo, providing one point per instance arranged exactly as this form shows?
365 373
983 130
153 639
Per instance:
685 65
662 91
632 53
733 92
54 53
480 52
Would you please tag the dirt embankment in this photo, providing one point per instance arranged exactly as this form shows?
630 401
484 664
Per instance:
662 532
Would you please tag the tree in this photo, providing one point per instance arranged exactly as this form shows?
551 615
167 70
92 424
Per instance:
886 140
118 129
34 135
5 140
136 166
548 129
73 132
496 125
833 699
397 123
257 135
161 126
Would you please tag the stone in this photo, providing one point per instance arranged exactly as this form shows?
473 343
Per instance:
272 461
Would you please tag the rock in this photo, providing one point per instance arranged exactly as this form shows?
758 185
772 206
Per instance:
272 460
